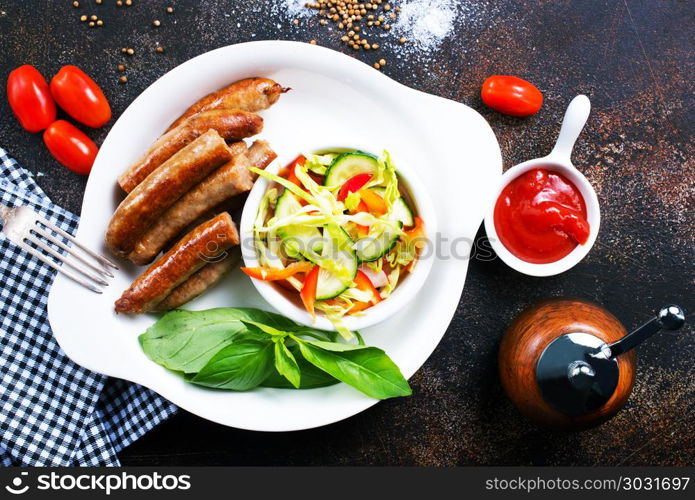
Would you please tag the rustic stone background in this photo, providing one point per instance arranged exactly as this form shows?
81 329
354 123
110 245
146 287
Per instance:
633 58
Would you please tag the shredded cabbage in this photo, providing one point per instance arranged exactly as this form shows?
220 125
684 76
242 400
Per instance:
393 278
352 200
285 183
318 163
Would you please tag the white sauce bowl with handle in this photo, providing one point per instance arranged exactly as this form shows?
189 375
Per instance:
559 160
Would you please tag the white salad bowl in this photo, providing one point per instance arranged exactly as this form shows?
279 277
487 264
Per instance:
335 99
402 295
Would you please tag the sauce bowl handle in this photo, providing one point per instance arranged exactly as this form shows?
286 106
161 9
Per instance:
572 124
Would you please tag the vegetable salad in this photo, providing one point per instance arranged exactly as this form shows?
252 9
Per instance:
336 229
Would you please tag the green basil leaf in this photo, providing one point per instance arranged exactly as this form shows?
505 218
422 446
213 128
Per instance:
334 346
311 377
261 328
286 365
239 366
367 369
185 341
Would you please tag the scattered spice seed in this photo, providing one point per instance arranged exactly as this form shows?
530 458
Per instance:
124 50
121 67
313 42
159 49
91 24
354 16
156 23
129 2
130 52
377 65
382 62
170 10
83 18
402 40
93 17
75 4
98 2
119 3
122 79
100 22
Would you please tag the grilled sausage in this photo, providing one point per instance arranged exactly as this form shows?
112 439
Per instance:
250 94
206 243
260 155
231 179
152 197
209 275
231 125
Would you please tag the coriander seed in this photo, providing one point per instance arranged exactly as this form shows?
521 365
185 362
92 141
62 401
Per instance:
122 79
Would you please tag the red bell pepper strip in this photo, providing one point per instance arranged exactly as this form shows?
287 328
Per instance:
274 274
365 284
353 184
308 293
374 202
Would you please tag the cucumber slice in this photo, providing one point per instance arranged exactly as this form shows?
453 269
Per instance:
348 165
372 248
341 253
401 210
296 239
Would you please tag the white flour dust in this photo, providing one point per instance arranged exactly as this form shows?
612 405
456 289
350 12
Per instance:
425 23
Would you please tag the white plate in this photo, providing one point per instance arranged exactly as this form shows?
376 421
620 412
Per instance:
334 99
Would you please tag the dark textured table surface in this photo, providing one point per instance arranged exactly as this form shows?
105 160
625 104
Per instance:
633 58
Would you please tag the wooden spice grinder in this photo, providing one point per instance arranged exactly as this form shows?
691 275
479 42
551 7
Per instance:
568 364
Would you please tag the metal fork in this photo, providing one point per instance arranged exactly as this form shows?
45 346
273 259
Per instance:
23 227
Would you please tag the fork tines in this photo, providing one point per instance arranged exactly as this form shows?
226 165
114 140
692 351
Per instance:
40 238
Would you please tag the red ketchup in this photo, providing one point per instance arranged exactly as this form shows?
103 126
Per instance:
541 216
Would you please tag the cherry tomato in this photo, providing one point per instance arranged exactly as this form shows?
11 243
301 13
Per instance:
30 98
80 96
70 146
511 95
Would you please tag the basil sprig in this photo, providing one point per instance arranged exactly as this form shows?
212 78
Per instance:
242 348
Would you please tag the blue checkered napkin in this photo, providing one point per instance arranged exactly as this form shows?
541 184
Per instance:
53 412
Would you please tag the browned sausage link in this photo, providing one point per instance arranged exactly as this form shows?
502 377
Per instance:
151 198
194 286
204 244
251 94
228 181
260 155
231 125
